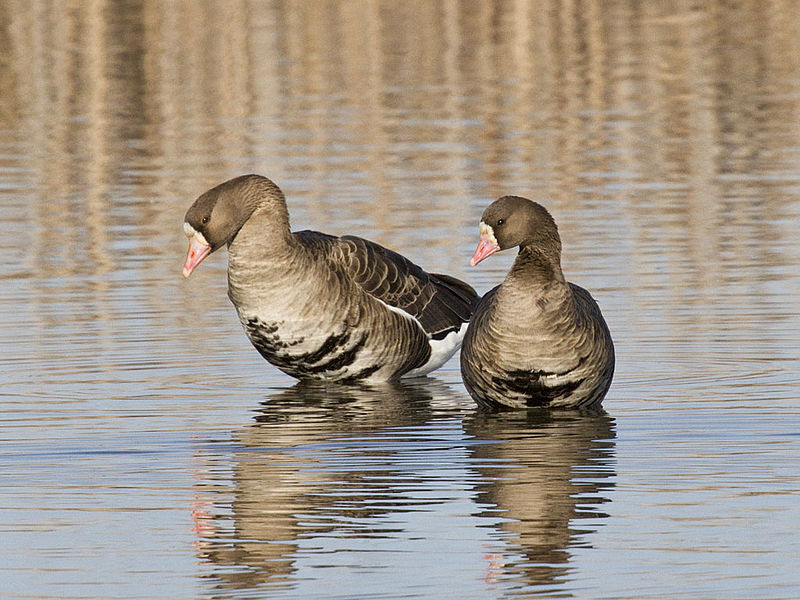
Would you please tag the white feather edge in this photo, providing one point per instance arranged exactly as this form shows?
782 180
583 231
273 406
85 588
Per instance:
441 350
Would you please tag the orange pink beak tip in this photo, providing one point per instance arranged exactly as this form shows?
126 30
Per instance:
197 252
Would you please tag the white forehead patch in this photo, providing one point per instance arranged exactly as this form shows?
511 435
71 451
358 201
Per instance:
488 232
192 232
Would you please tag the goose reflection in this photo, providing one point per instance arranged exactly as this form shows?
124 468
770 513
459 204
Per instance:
317 459
541 474
368 480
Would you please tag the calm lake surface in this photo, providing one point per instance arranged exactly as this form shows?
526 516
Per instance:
147 451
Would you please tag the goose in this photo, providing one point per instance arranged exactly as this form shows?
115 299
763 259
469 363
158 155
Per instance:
536 340
317 306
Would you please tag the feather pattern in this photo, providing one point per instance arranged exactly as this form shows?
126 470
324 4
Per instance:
439 303
337 308
536 340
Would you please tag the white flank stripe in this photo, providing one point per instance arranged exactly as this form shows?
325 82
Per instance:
441 351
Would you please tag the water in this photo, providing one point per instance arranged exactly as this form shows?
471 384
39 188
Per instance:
146 450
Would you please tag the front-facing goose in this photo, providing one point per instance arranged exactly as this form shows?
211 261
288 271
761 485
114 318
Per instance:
323 307
536 340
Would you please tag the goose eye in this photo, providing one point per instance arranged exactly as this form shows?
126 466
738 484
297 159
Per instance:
500 222
205 220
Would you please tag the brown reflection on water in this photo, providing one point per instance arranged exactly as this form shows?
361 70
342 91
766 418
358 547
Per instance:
319 459
350 464
467 100
543 474
404 102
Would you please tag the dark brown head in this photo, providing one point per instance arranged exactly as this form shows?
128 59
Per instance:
217 216
513 221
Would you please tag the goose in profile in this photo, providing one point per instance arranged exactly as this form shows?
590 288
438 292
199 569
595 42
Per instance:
536 340
323 307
